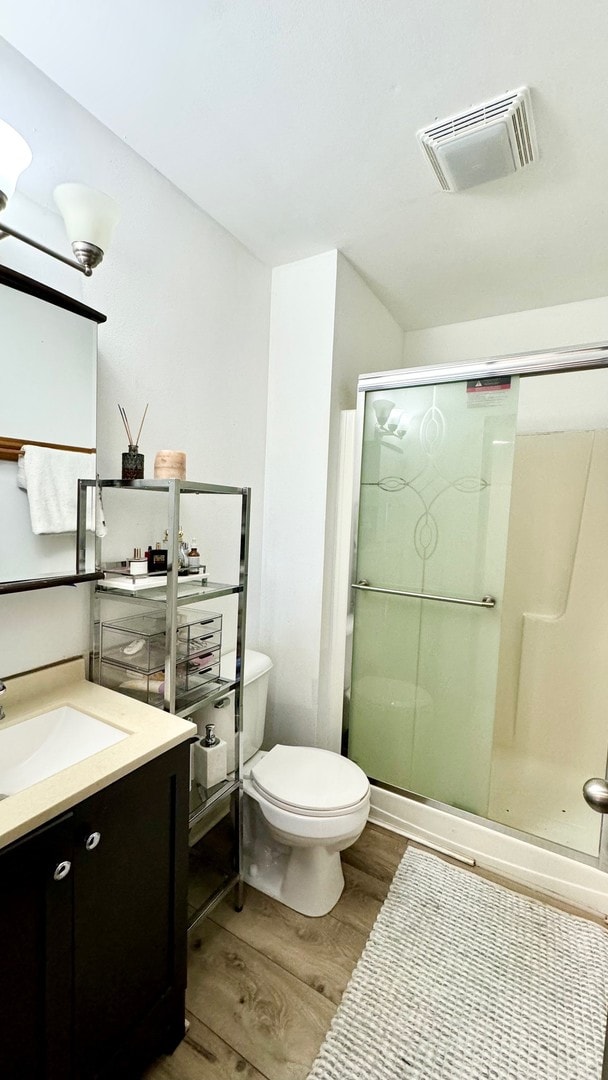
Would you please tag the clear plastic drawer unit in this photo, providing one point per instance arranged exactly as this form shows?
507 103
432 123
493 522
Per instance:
133 653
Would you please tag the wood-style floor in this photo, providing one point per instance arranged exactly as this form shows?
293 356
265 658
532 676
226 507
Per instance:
263 984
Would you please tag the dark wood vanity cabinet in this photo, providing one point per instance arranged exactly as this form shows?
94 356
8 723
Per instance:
35 955
93 955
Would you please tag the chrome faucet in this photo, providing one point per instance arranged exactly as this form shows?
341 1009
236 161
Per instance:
2 691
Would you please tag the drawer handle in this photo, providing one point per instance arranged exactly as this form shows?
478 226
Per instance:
62 870
92 841
222 703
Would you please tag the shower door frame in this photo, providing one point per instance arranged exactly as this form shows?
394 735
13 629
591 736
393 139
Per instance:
544 362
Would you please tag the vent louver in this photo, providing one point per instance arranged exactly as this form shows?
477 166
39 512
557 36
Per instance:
496 138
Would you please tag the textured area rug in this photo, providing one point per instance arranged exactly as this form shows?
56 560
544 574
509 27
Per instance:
462 979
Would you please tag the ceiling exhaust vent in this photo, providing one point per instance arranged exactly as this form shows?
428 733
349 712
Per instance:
481 144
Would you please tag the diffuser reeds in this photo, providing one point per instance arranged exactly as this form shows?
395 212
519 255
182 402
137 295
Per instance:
123 415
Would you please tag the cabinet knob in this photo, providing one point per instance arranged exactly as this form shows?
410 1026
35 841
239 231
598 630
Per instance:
222 703
62 870
92 841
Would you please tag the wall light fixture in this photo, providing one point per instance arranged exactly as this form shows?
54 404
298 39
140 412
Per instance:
89 215
15 156
389 419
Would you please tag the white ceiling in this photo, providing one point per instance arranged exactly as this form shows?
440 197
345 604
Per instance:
292 122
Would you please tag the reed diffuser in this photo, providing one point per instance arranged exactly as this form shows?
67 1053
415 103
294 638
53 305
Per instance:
132 460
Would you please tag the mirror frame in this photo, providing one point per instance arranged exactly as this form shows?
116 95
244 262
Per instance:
14 280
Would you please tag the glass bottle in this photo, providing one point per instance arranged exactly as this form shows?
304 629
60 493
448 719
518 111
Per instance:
194 559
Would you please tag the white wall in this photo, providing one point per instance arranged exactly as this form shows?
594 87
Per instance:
299 403
187 330
581 323
326 328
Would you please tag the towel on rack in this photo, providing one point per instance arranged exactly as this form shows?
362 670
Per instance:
50 478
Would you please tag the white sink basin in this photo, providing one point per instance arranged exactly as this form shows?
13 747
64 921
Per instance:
44 745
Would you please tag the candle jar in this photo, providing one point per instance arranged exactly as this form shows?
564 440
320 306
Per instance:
170 465
132 464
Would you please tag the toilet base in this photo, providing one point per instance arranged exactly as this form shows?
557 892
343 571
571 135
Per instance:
316 867
309 880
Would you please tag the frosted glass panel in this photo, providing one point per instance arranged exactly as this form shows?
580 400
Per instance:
434 509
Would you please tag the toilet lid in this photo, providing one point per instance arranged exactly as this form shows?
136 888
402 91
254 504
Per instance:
310 780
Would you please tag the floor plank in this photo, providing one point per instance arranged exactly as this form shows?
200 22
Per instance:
377 851
267 1015
322 952
202 1056
360 903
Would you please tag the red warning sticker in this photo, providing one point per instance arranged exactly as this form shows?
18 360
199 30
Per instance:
490 391
492 384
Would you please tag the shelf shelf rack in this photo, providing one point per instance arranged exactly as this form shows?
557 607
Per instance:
176 593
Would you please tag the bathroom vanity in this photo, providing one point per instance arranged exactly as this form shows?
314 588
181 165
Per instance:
93 884
93 786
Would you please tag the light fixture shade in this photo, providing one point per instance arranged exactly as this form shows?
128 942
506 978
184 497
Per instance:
89 215
15 156
382 408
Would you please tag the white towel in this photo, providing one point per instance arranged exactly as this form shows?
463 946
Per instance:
50 478
21 481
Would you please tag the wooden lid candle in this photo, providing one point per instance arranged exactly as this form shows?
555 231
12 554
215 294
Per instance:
170 465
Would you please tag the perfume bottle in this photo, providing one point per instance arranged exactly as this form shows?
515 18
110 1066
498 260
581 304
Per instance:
157 559
138 564
182 550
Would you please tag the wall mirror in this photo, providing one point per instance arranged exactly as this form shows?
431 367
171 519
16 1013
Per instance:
48 367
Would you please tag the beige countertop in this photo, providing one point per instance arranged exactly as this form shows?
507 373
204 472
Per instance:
150 732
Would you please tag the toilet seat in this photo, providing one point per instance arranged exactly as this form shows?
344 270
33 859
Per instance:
310 782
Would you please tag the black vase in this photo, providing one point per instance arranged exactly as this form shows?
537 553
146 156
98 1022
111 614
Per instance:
132 464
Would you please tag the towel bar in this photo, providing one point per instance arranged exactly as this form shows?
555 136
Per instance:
12 449
485 602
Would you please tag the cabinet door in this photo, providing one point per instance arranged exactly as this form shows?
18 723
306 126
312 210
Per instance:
36 894
130 917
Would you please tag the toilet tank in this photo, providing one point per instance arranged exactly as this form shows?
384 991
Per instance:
257 667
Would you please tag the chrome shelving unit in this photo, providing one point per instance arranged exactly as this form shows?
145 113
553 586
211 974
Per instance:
178 592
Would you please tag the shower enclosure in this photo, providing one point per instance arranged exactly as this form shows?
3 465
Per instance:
480 592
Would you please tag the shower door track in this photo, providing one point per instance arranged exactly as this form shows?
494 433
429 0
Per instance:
582 857
485 602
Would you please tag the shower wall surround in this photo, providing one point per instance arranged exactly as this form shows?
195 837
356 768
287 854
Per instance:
552 700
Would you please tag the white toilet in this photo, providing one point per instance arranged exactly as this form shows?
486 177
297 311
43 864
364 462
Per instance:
302 805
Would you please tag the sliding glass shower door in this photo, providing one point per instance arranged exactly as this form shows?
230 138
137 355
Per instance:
435 492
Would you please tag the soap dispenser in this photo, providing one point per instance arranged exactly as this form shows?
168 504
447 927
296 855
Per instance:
210 759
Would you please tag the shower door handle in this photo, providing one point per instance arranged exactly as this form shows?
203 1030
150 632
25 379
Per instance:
485 602
595 794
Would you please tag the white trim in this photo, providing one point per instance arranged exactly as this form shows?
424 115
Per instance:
550 873
341 582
